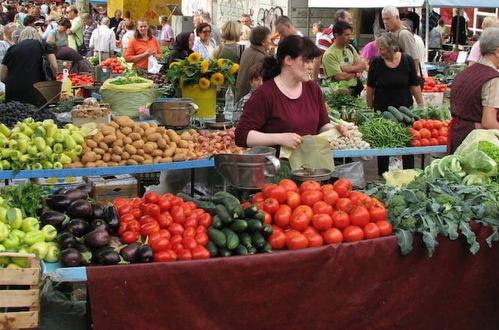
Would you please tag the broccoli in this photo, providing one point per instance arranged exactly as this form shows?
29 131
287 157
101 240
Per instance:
396 205
379 195
445 200
422 197
408 223
419 184
490 209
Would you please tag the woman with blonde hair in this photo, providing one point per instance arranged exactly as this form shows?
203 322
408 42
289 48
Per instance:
475 53
230 49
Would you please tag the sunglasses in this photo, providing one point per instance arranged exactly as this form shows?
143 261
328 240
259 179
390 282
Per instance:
345 57
206 31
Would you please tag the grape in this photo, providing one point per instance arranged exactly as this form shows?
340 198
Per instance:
14 111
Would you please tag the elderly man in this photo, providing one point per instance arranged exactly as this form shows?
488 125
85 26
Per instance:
406 41
285 28
246 20
103 40
475 92
77 30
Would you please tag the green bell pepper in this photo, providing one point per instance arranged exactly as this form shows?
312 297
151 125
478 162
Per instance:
4 231
11 242
47 165
50 232
50 141
58 165
21 261
30 224
40 131
77 137
58 137
36 166
33 237
40 143
3 140
53 253
32 150
19 233
69 142
11 265
3 215
15 217
6 164
58 148
4 130
40 249
64 159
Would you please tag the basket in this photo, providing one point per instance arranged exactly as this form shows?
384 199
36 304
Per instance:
20 294
147 179
49 90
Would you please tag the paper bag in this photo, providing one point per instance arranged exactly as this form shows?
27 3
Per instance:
314 152
153 66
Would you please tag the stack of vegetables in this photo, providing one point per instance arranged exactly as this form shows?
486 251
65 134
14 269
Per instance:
380 132
78 79
429 133
431 86
352 141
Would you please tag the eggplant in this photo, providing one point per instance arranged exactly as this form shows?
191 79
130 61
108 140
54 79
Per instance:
67 240
58 202
82 248
77 227
144 254
60 191
113 219
98 211
97 238
53 218
85 188
80 209
75 194
85 252
96 254
109 257
129 252
71 257
115 242
98 224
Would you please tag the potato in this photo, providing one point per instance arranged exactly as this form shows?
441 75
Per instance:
180 157
86 149
117 150
157 159
118 143
186 136
139 144
125 155
183 144
120 135
106 157
138 158
108 130
78 164
166 138
144 126
139 130
130 149
161 130
112 164
88 157
148 148
98 157
147 156
181 151
90 164
115 158
166 160
141 152
100 163
124 121
135 136
103 146
153 124
109 139
98 137
131 162
171 150
173 135
99 151
122 162
157 152
149 131
114 124
126 130
91 143
153 137
192 131
162 144
147 161
127 140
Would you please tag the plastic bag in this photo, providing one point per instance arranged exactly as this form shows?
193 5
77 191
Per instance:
152 65
401 178
352 171
472 158
314 152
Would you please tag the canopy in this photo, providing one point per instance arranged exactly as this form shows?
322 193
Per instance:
464 3
368 3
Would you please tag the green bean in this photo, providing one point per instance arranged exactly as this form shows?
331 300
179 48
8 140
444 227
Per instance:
384 133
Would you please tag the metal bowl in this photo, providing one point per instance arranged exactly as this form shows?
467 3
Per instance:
314 174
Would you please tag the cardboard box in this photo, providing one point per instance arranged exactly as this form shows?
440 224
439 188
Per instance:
51 185
105 189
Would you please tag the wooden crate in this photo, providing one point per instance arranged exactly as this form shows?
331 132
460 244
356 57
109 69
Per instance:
19 290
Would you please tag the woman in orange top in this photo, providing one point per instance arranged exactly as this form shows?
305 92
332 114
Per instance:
141 46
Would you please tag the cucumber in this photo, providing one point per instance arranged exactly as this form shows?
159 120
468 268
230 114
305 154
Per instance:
406 111
250 211
224 253
407 119
239 225
231 203
388 115
258 240
232 238
208 198
245 239
254 225
252 250
241 250
207 206
212 248
395 113
260 216
266 231
223 213
266 248
217 222
217 237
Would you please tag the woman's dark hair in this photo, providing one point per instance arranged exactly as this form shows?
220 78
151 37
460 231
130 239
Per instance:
201 27
182 41
137 33
293 46
65 22
29 19
258 35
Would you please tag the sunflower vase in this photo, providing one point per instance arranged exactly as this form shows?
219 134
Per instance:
206 99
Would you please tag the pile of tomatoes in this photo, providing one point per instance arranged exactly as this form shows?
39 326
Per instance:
114 64
175 229
78 79
431 86
313 215
429 132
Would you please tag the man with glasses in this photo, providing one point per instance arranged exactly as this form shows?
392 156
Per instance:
341 61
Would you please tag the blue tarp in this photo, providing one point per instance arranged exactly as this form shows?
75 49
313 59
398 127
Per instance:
464 3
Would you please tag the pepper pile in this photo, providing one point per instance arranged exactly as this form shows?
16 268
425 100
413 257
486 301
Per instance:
78 79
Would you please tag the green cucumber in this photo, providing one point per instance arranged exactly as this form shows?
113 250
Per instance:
395 113
207 206
231 203
217 222
232 238
260 216
224 253
250 211
212 248
254 225
223 213
406 111
245 239
266 231
241 250
388 115
258 240
217 237
407 119
266 248
239 225
252 250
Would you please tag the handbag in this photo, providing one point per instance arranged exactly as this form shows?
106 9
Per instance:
82 49
46 68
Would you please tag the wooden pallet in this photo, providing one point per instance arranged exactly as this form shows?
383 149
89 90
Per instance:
12 297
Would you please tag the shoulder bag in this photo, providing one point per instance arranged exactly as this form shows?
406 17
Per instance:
82 49
359 87
46 68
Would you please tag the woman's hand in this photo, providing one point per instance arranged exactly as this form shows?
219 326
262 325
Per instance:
290 140
343 130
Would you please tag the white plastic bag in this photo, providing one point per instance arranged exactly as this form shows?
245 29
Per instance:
153 66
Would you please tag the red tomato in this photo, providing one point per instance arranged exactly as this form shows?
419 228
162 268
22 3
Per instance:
322 207
310 230
120 201
293 199
288 185
425 133
299 221
416 143
277 192
205 220
177 247
428 124
145 219
184 254
377 212
200 252
344 204
164 219
176 229
343 187
310 197
153 210
176 239
340 218
176 201
385 227
359 216
149 228
189 232
327 187
437 124
122 228
245 205
444 131
353 233
201 229
164 233
304 209
277 240
355 196
270 205
310 185
425 142
290 233
418 125
189 243
371 231
127 217
137 213
268 218
416 135
160 244
322 222
314 240
433 142
151 197
124 209
177 213
266 189
333 235
330 197
282 215
133 225
130 237
164 256
442 140
258 197
201 239
297 242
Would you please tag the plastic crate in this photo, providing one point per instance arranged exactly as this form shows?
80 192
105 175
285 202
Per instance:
20 294
147 179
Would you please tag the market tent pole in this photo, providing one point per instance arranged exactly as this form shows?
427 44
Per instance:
427 30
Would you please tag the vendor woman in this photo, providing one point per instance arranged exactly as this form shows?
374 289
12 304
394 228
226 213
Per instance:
288 105
475 92
143 45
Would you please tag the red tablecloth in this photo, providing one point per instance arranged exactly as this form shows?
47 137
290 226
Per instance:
362 285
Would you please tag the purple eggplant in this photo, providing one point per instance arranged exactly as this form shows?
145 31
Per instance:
77 227
75 194
60 191
97 238
85 188
113 219
53 218
109 257
58 202
98 224
115 242
67 240
128 253
144 254
98 211
96 253
80 209
71 257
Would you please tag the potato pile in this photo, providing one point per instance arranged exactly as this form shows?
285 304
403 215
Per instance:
124 142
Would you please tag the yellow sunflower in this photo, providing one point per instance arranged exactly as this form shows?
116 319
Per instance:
194 57
217 78
172 64
204 83
234 68
220 62
204 66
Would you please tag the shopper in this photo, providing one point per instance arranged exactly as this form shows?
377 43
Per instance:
288 105
317 29
103 40
229 48
115 21
143 45
129 34
285 27
77 29
167 35
8 30
475 92
475 54
435 40
120 31
79 63
59 36
215 30
246 20
205 44
256 80
392 81
90 26
420 47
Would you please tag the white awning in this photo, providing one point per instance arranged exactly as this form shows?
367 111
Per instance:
367 3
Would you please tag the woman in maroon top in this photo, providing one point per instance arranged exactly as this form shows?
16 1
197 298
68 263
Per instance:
288 105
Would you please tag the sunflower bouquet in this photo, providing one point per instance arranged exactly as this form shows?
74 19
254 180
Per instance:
194 70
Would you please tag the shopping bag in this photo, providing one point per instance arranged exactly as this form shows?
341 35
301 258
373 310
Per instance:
153 66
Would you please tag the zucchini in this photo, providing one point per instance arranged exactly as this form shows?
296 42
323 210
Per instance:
395 113
231 203
266 231
241 250
217 237
207 206
250 211
224 253
239 225
407 119
254 225
266 248
245 239
260 216
217 222
212 248
258 240
388 115
232 238
208 198
406 111
252 250
223 213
